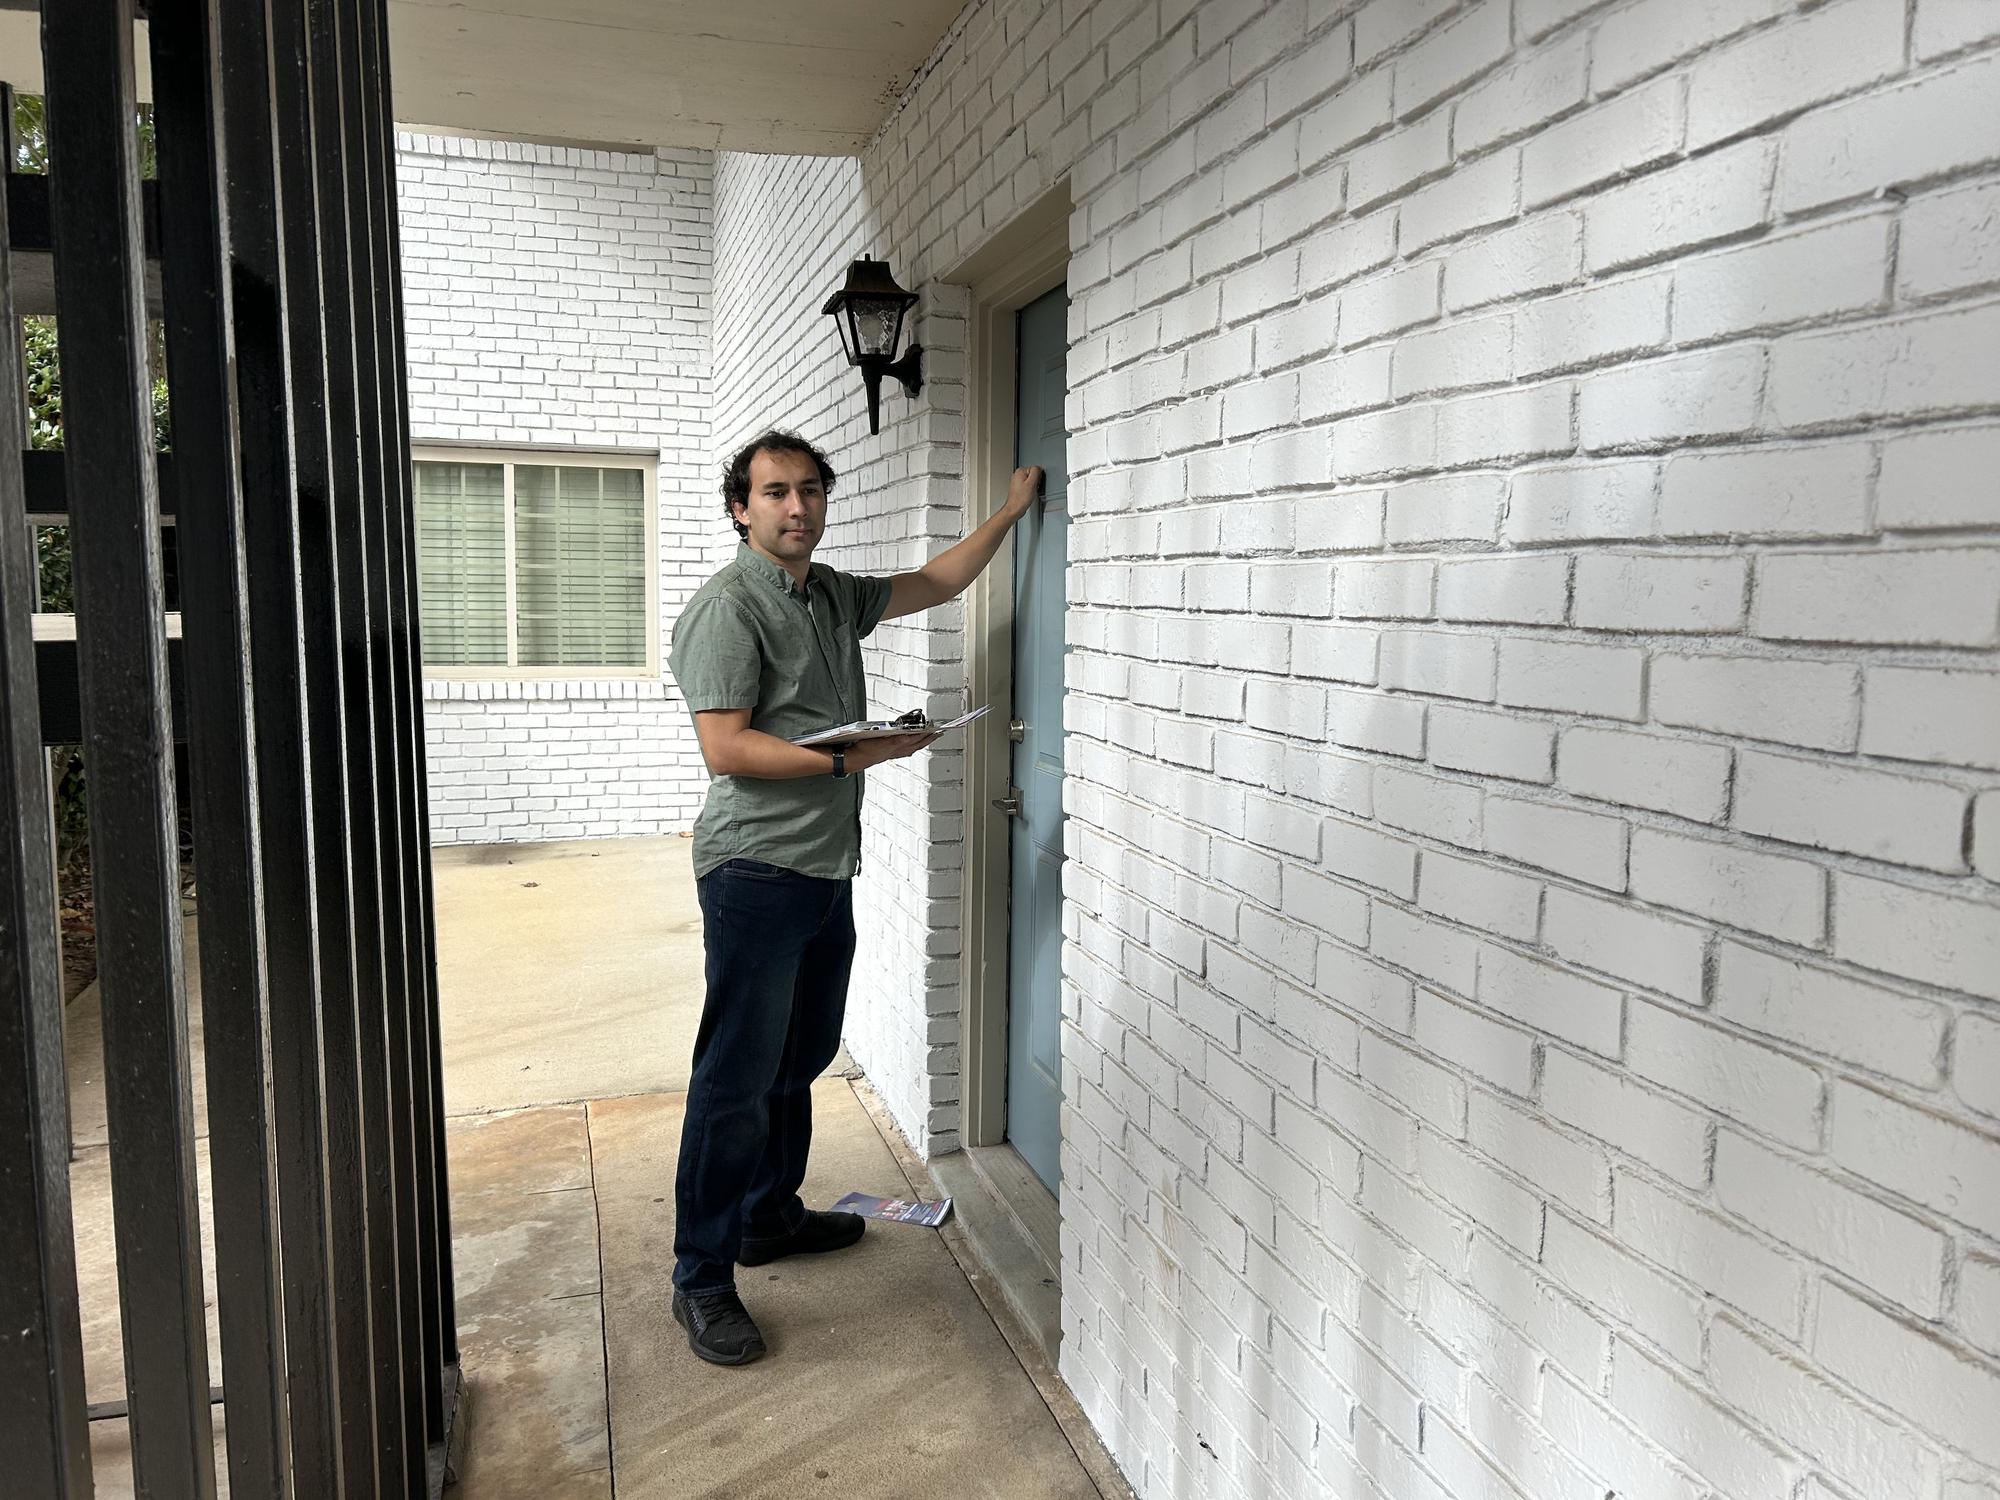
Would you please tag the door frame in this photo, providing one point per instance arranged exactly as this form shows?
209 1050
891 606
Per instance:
1025 260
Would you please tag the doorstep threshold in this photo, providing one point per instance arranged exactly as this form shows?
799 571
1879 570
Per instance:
1012 1223
1013 1269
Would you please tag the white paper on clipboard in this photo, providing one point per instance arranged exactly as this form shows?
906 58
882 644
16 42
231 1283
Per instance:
876 729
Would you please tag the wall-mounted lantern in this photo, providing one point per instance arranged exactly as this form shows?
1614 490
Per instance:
869 311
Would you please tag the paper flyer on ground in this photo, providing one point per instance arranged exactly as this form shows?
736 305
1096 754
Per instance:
913 722
896 1210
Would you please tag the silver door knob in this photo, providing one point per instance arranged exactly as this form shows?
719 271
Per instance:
1016 730
1009 804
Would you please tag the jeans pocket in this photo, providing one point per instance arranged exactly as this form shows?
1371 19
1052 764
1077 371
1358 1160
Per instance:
756 869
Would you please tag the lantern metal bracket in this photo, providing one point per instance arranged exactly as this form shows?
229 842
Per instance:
909 369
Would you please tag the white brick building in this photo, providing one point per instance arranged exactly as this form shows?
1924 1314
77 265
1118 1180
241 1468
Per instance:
558 302
1532 922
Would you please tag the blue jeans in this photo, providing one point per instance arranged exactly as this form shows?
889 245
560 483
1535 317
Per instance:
778 949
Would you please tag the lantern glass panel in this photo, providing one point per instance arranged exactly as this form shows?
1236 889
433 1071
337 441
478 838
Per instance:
877 321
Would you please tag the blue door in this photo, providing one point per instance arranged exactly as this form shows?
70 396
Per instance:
1041 550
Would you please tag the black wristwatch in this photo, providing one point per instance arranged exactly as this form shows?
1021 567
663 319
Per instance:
839 762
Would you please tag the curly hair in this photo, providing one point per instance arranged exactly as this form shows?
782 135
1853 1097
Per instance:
736 475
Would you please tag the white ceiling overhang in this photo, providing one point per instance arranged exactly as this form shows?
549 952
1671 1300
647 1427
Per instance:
795 76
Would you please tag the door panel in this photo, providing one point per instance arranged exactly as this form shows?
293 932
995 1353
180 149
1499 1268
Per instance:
1035 847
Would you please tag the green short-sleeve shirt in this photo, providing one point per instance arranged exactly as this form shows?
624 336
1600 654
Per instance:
752 638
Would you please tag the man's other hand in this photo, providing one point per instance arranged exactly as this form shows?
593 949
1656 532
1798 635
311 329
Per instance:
874 752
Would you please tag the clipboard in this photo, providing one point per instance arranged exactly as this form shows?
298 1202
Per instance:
913 722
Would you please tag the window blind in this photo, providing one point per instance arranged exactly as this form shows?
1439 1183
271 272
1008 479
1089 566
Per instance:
462 563
579 566
579 586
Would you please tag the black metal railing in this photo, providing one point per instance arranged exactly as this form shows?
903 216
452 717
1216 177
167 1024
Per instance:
269 248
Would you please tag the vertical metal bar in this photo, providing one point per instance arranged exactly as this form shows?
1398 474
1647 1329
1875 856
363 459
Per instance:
121 648
436 1226
194 232
315 272
41 1341
407 992
278 628
343 254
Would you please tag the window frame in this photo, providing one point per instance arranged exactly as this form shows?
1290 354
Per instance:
648 465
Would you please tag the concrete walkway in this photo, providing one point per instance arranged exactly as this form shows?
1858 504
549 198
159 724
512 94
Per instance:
566 971
887 1377
570 983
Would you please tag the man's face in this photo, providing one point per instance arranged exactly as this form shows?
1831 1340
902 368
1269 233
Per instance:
786 512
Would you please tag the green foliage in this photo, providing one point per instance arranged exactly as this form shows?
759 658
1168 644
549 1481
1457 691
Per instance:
44 378
72 812
44 372
52 559
45 431
31 137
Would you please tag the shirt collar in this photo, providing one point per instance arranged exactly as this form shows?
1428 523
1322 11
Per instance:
755 563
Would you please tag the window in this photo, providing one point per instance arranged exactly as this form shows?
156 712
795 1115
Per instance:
535 565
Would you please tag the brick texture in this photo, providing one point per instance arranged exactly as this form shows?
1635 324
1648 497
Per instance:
1531 941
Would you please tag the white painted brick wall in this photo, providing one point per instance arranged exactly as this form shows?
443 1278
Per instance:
1549 1046
560 298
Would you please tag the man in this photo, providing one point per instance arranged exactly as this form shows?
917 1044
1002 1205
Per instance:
767 650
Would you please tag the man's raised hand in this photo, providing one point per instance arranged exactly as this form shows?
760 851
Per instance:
948 575
1022 491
